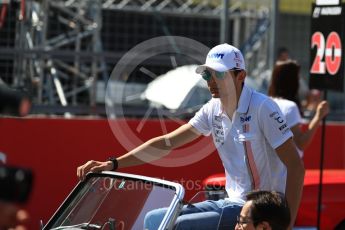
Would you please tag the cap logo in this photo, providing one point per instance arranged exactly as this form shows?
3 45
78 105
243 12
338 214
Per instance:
216 55
237 58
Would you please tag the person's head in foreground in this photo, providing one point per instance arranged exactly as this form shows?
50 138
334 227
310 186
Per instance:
264 210
224 72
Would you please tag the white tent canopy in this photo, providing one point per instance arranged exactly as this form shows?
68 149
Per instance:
177 89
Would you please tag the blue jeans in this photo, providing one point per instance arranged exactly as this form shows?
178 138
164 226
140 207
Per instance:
204 215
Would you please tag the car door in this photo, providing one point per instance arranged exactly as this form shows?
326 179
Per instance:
112 200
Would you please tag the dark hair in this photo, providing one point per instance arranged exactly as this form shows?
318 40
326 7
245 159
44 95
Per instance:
285 81
269 206
236 71
282 50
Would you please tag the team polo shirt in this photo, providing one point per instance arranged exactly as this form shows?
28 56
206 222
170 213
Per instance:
246 142
291 113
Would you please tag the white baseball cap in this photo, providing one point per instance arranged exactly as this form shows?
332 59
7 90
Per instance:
222 58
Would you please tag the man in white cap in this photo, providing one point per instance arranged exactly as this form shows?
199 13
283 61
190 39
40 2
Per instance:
252 138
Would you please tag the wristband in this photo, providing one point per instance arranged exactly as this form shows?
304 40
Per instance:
115 163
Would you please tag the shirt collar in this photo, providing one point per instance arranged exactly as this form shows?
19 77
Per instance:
243 103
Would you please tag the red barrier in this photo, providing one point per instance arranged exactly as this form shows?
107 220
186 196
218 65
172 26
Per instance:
334 148
54 148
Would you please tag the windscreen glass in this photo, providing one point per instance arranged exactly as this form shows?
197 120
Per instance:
113 203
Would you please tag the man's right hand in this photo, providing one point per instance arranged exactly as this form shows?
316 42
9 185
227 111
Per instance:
93 166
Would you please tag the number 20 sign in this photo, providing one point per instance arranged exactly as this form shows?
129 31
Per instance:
328 55
327 64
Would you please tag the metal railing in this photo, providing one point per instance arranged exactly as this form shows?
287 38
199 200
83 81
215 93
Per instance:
58 67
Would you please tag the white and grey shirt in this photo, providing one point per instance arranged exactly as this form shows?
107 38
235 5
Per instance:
246 142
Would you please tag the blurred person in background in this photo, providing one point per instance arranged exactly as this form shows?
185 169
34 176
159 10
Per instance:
267 210
13 103
309 105
12 217
283 89
282 54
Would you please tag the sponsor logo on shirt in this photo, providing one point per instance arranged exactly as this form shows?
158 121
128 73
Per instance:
276 116
245 119
218 118
218 132
279 119
282 127
217 126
